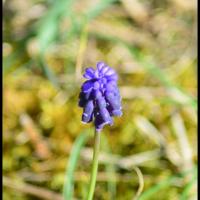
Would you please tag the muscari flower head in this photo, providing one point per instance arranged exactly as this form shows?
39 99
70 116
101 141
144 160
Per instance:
99 96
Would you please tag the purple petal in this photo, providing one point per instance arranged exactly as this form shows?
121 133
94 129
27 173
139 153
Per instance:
96 85
100 65
116 113
110 72
117 94
96 74
112 77
101 102
104 69
110 87
113 101
113 82
83 97
82 102
89 73
104 80
102 119
87 86
88 111
97 94
105 115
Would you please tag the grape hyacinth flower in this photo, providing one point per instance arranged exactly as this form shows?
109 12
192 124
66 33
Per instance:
99 96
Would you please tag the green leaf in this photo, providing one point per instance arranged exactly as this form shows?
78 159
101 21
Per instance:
185 193
110 169
49 25
72 163
165 183
48 72
98 8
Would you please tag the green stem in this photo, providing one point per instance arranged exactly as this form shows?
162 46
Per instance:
94 165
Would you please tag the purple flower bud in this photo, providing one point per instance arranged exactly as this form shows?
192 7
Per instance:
114 106
87 86
99 96
89 73
110 72
101 103
88 111
100 65
101 119
104 69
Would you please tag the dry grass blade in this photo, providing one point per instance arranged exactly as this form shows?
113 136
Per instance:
182 139
124 33
86 154
150 130
82 48
130 162
147 93
32 190
141 183
185 5
180 97
104 177
127 162
136 10
40 145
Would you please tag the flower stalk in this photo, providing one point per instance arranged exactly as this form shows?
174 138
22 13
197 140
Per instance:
94 165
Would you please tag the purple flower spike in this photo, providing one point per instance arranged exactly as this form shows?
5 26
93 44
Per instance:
99 96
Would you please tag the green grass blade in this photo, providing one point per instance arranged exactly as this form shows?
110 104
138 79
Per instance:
163 184
153 69
99 8
49 25
188 187
110 169
48 72
16 58
185 194
156 188
72 163
93 12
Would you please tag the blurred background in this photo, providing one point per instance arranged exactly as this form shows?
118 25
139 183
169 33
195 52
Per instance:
151 150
